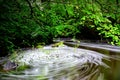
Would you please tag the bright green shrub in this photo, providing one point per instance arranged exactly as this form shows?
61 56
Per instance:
65 31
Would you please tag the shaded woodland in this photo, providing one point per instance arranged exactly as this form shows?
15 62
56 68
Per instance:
28 23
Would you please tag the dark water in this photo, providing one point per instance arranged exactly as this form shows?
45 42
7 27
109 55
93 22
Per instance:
69 64
112 73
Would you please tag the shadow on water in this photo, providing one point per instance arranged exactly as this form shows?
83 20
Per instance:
65 63
114 72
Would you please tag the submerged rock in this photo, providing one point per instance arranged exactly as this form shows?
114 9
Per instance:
9 66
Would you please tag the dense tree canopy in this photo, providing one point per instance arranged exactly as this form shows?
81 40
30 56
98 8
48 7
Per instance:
27 23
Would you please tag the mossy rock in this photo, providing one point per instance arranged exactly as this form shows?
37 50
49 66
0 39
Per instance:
61 43
23 67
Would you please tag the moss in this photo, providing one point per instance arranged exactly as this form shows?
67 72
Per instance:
58 44
23 67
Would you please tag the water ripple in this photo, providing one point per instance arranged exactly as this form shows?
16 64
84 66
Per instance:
60 63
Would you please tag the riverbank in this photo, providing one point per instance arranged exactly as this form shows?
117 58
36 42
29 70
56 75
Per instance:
95 45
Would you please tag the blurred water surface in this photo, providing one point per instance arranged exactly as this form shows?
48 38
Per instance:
64 63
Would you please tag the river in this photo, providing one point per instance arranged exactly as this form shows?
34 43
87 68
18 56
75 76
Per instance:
94 62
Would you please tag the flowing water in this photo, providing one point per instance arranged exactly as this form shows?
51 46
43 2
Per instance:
64 63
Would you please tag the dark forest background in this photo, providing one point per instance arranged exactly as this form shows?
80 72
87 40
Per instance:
28 23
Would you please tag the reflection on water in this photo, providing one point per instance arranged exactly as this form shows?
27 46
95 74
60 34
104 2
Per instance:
61 63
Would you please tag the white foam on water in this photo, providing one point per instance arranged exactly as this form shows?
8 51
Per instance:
60 55
57 61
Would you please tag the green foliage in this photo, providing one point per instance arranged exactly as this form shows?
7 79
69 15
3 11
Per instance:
65 30
93 18
110 31
25 23
19 28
